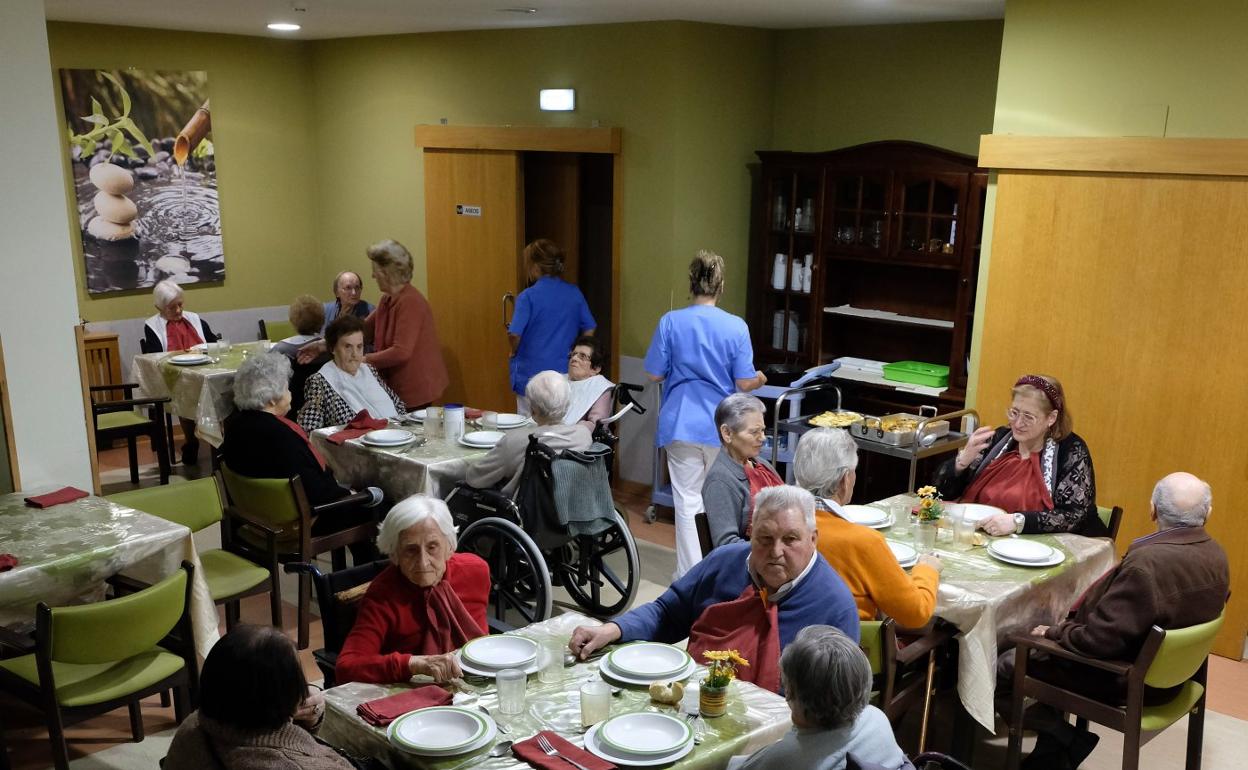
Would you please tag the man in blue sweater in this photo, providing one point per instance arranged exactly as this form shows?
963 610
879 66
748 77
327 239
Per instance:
753 597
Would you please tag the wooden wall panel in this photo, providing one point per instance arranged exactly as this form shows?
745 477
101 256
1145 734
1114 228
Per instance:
1131 290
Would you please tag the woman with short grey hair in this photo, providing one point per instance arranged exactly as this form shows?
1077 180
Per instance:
738 472
827 683
175 328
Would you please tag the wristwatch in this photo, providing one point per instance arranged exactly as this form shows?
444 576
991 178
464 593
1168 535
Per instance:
1020 521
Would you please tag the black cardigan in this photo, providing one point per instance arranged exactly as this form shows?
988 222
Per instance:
1073 491
259 445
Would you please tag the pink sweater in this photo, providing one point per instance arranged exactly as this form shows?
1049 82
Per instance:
407 351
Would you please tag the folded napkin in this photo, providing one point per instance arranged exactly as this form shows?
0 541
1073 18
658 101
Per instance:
530 752
7 562
360 424
62 495
383 711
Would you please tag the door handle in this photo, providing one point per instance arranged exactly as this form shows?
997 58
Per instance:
508 298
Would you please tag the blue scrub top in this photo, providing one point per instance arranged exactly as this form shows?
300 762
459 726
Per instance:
700 352
549 316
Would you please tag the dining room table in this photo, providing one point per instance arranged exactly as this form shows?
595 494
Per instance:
988 600
200 392
755 717
66 552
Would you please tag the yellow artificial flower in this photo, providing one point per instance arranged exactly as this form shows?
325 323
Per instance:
926 503
716 655
927 491
736 658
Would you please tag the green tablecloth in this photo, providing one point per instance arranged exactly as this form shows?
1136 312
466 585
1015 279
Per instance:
755 717
432 468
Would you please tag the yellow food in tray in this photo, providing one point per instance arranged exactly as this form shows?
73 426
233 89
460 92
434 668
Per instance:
898 424
835 419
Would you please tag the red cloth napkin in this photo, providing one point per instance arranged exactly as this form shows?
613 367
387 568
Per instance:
383 711
62 495
7 562
530 752
360 424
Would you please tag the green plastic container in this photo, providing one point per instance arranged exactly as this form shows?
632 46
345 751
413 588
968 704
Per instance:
918 373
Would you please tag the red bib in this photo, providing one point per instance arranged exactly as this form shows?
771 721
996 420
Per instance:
180 335
1012 484
748 624
760 477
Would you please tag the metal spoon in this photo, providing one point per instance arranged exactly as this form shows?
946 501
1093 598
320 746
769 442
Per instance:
502 728
499 750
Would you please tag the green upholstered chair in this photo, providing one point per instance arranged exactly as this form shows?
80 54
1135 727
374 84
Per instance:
898 682
197 506
270 522
1175 658
1111 518
94 658
116 418
276 331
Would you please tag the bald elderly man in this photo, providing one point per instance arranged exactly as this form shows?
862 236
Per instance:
1176 577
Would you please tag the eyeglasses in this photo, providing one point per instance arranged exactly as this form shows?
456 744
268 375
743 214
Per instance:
578 356
1024 419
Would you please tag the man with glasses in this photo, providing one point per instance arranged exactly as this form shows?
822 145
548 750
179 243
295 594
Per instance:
348 287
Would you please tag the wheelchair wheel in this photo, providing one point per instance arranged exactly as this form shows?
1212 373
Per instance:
520 591
602 571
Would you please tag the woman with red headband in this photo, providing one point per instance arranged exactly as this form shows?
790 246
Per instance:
1035 467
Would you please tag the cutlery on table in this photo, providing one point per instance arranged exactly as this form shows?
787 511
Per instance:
551 751
500 749
502 728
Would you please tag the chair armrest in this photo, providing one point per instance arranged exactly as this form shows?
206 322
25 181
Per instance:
24 644
130 403
350 501
264 526
297 567
935 638
125 387
1041 644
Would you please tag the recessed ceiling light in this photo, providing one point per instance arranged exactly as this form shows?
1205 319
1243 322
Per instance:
283 26
517 10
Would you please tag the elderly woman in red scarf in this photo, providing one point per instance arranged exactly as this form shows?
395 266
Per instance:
1035 467
738 473
175 328
422 607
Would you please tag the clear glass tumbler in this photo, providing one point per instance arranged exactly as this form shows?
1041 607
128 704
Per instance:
551 659
433 423
963 532
512 683
489 421
900 511
595 702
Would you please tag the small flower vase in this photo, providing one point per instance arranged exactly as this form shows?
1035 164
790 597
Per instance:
925 535
713 701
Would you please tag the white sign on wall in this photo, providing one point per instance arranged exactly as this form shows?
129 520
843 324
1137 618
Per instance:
465 210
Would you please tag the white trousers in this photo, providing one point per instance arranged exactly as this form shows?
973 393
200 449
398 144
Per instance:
687 464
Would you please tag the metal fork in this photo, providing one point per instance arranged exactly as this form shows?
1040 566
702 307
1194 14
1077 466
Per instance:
552 752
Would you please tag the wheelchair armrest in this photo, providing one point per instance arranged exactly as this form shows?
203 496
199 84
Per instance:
350 501
297 567
1042 644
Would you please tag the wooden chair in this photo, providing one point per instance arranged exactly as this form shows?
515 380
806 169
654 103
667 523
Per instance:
338 596
703 526
276 331
898 683
94 658
114 419
197 506
1174 658
1111 518
270 522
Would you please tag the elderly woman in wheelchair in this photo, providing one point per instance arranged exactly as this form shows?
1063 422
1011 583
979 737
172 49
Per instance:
421 608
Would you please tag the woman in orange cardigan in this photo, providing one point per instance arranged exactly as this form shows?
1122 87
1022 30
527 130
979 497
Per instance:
826 463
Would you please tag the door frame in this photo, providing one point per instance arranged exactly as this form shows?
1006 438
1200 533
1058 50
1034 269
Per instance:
538 139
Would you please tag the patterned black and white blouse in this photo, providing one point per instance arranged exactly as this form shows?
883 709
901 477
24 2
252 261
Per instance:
1067 469
322 405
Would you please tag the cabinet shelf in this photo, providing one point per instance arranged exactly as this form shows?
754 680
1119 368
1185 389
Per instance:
885 317
894 261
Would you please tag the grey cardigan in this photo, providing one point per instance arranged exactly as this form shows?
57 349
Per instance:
726 499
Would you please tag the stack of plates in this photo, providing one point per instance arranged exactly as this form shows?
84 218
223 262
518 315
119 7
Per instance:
389 437
442 731
418 415
906 555
974 511
487 655
645 662
644 739
189 359
481 439
867 516
507 421
1025 553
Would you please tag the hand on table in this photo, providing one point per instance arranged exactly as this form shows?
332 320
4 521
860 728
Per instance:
585 639
998 525
1039 630
931 560
311 711
443 668
975 446
311 351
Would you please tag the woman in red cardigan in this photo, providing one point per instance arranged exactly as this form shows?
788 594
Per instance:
422 607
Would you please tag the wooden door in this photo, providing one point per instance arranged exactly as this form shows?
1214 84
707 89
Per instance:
552 197
471 264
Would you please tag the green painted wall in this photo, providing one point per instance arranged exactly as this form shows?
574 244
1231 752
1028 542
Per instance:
932 83
268 162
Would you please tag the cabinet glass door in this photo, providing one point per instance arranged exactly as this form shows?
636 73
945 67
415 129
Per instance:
856 218
930 209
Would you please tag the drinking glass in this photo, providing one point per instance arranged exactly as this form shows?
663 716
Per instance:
551 658
433 422
964 531
489 421
900 511
224 346
595 702
512 683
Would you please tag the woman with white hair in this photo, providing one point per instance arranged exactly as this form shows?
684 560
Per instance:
549 395
426 604
738 473
827 683
826 463
175 328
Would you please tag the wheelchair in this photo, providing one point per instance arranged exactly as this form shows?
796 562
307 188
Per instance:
530 552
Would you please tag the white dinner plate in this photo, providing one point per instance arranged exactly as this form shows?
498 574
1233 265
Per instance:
418 415
441 731
607 671
865 515
648 660
906 555
645 734
387 437
189 359
976 512
507 421
468 668
482 439
1057 558
1021 549
500 651
596 747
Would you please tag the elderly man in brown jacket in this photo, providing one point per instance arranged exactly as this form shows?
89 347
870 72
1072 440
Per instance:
1176 577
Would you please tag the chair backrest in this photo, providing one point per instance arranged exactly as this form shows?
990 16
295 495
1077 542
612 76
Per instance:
143 346
114 630
269 500
193 504
1181 654
340 604
276 331
1111 518
703 525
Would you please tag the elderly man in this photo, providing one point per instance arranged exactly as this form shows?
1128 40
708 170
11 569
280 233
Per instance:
1176 577
347 300
826 463
548 394
752 597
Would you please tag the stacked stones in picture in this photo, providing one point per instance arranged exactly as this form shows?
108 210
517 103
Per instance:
114 212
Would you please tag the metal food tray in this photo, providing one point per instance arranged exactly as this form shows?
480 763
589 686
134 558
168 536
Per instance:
868 429
836 411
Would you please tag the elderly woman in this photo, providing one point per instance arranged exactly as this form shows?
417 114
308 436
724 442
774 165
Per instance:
701 354
1035 467
591 393
261 442
255 709
751 597
738 473
548 395
549 316
826 463
405 341
348 287
827 683
345 385
426 604
174 328
307 315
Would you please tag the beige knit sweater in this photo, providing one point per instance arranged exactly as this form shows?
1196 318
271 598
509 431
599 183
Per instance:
206 743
